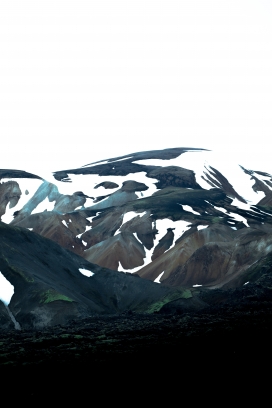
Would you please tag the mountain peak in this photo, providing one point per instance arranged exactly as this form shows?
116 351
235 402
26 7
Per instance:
182 217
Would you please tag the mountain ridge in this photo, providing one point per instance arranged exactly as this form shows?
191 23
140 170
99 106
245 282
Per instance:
179 226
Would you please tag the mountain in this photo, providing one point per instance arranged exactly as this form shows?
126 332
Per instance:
54 285
197 224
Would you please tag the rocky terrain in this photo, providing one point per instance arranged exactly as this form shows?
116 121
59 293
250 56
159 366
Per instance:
136 257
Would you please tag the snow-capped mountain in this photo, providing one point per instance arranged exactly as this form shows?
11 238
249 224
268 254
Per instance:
181 217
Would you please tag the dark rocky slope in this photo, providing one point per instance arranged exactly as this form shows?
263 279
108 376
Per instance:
49 288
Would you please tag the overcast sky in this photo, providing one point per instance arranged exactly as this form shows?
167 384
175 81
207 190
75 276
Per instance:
82 81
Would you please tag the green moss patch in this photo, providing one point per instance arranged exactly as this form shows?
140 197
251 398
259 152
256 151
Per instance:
156 306
51 296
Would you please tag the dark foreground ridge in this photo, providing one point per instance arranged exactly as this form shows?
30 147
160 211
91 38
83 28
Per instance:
99 357
233 336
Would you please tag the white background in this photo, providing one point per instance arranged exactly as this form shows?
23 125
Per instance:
82 81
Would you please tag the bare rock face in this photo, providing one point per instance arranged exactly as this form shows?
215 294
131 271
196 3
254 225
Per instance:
207 265
68 203
217 180
118 198
103 226
164 244
107 185
5 320
266 189
142 226
123 248
49 288
132 186
213 257
174 176
10 193
187 249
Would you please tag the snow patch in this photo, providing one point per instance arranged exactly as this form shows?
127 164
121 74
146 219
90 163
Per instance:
65 223
179 228
88 202
127 217
87 182
189 208
6 289
45 205
124 158
87 227
91 218
239 218
220 209
130 215
238 204
135 235
86 272
157 280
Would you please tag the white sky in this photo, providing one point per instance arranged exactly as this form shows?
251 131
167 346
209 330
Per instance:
82 81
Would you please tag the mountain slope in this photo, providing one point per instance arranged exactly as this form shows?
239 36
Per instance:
50 289
179 216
